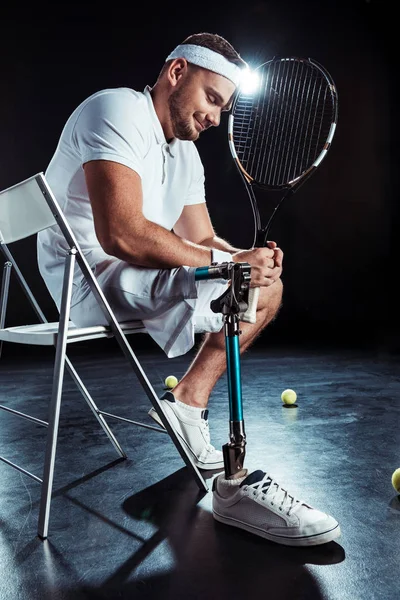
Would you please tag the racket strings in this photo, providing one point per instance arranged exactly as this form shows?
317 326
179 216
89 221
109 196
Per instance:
279 133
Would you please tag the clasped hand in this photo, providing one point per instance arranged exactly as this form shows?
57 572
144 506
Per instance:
266 263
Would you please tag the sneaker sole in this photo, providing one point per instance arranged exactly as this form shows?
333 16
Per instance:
205 467
314 540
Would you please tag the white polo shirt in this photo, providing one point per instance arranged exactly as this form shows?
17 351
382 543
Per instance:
118 125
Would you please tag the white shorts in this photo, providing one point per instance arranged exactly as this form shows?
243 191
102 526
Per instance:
172 305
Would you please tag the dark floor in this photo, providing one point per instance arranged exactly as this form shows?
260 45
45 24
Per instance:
141 528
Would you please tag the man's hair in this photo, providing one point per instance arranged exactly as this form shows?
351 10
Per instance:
216 42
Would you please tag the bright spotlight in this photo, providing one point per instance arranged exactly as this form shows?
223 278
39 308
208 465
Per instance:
249 82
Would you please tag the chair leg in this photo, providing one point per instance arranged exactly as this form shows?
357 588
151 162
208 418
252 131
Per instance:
158 405
55 404
5 284
51 445
93 407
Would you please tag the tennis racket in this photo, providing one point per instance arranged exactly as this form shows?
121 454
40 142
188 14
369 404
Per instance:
278 136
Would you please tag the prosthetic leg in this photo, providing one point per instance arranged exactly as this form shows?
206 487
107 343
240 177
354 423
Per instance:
254 502
231 304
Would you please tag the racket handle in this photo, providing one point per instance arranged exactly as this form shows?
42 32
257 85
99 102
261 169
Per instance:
250 315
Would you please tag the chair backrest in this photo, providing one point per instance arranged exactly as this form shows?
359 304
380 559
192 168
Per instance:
29 207
24 210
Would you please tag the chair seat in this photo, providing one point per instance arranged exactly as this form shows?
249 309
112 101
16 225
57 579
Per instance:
45 334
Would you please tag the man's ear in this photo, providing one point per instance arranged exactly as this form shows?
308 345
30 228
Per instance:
177 70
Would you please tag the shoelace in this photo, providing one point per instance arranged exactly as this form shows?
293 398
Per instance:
206 429
209 448
276 494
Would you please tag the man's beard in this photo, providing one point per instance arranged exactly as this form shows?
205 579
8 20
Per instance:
182 126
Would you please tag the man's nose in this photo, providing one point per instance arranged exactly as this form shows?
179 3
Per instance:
214 118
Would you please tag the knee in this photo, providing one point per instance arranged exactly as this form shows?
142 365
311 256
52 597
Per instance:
270 298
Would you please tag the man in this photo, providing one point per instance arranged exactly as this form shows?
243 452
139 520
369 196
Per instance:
129 178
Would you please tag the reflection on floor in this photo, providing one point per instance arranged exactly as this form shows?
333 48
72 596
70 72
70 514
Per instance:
141 527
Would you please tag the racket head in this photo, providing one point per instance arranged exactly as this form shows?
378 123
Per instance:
280 133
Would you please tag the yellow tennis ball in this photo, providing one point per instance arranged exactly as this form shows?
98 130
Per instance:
396 480
170 381
289 396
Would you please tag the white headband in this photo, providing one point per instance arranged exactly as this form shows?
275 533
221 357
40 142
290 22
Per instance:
208 59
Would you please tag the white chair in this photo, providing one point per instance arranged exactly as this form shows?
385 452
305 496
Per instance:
25 209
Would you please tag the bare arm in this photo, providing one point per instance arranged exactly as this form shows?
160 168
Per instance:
115 193
195 224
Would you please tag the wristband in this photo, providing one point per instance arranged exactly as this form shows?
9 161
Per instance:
220 256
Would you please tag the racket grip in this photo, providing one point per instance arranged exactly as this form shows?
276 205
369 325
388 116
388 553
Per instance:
250 315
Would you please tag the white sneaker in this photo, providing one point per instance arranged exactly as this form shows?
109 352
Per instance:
258 504
194 432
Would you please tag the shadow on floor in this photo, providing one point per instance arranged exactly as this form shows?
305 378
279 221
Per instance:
211 560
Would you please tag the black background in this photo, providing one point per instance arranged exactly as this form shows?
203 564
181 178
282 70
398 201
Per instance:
338 233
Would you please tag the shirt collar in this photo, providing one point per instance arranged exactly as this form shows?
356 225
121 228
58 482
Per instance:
158 130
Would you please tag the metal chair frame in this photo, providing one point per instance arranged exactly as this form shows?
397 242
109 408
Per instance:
13 204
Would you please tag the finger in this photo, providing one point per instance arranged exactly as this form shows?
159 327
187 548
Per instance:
274 273
266 252
268 281
261 278
278 256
